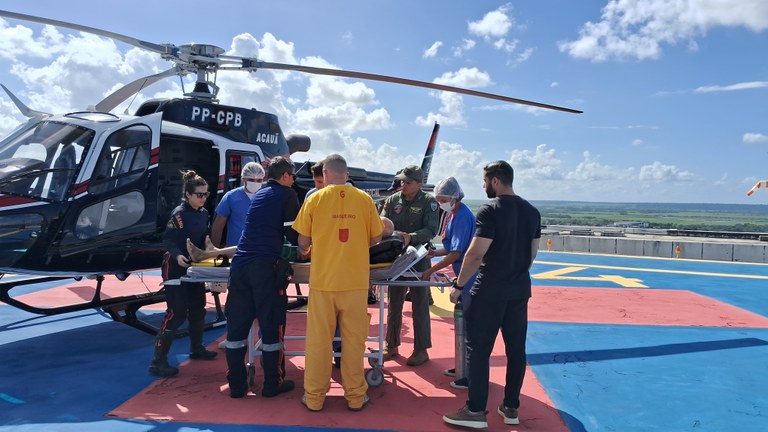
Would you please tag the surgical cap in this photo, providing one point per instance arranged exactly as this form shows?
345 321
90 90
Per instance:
252 170
449 187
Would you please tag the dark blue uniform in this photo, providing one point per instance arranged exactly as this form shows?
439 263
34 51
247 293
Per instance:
257 281
185 300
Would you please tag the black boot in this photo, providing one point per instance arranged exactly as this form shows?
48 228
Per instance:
197 350
236 373
159 365
274 384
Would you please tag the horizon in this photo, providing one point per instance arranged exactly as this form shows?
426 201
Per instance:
465 200
677 116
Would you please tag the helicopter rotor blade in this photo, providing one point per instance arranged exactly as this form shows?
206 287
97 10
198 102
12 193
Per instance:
25 110
210 59
161 49
118 96
251 65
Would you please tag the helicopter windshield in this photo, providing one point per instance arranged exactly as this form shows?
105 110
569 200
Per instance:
41 162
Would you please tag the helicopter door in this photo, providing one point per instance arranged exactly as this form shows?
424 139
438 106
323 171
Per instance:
121 195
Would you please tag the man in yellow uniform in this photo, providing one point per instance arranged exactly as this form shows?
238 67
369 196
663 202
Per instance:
341 223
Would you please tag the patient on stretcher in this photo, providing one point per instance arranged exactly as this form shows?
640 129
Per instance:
212 251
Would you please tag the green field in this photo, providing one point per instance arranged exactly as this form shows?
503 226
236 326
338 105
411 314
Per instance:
707 217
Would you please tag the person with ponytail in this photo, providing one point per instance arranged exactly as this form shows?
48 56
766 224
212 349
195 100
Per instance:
185 300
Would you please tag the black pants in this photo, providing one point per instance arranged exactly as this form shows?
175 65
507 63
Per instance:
185 301
257 291
484 318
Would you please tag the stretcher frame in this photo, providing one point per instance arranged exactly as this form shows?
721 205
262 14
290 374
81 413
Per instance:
374 376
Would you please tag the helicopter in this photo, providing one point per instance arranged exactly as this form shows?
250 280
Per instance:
88 193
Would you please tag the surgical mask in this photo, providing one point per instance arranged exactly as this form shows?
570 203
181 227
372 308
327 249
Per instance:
252 186
447 206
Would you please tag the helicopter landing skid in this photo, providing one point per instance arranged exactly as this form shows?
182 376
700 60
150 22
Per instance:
122 309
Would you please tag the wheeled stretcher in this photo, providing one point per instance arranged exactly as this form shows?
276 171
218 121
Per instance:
398 273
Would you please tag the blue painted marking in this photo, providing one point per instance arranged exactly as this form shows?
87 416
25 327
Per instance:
11 399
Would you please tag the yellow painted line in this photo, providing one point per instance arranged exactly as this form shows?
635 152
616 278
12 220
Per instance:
736 263
561 274
650 270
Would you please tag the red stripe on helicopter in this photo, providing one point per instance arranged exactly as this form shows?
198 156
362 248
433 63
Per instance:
154 156
7 201
79 188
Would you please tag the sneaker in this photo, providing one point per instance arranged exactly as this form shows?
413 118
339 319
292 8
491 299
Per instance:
418 357
509 415
450 372
365 402
461 383
304 402
465 417
284 387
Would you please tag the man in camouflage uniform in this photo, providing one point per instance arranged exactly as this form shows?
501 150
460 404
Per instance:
414 214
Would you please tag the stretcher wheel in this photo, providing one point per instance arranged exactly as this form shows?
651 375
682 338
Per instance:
374 377
251 375
373 361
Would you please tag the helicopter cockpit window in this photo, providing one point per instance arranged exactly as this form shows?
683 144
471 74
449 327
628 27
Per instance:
124 159
42 161
110 215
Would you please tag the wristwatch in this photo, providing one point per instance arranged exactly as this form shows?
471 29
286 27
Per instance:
456 285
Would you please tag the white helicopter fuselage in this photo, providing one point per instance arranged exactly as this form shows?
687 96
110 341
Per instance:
91 192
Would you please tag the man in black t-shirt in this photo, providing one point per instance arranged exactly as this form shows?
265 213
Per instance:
503 249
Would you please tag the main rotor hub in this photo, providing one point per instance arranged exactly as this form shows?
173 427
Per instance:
203 50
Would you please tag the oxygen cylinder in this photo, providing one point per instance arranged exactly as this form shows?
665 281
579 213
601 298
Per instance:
460 343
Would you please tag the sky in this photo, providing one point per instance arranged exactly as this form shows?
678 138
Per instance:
674 92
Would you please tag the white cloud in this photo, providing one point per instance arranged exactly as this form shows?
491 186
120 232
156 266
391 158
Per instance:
658 172
466 45
591 170
722 181
78 70
451 111
540 164
19 41
637 142
452 159
494 25
432 51
639 29
506 45
752 138
324 91
494 28
554 84
347 118
733 87
520 57
465 77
